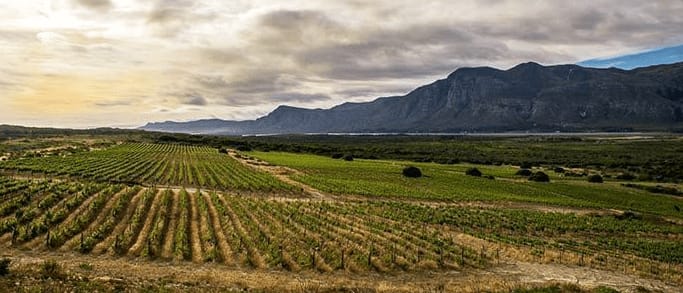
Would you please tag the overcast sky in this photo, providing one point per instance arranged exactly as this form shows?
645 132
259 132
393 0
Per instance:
85 63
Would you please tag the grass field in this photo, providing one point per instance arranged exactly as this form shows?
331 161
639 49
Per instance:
164 210
381 178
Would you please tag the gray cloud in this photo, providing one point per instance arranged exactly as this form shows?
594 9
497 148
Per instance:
101 5
244 57
299 97
195 100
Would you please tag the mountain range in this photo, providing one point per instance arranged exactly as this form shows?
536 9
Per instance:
527 97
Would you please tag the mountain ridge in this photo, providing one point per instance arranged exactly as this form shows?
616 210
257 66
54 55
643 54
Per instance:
526 97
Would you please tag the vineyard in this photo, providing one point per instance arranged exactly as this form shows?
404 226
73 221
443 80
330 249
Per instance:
217 227
152 164
185 205
381 179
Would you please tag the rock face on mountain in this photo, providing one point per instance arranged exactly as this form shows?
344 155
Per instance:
528 97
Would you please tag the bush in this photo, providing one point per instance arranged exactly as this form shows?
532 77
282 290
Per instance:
539 177
337 156
524 172
223 150
473 172
595 179
559 170
490 177
348 158
50 269
412 172
4 266
525 165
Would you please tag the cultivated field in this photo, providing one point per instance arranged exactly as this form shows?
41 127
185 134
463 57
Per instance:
298 222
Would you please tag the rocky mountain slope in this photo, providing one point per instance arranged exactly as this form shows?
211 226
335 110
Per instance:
527 97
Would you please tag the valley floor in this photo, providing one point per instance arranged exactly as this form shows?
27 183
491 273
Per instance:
236 222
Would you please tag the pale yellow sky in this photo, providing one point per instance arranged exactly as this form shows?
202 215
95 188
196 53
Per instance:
90 63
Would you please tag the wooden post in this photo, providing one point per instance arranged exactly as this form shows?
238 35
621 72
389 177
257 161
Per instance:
343 265
370 256
393 253
14 235
313 258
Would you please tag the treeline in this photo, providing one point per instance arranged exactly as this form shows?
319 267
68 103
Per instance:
12 131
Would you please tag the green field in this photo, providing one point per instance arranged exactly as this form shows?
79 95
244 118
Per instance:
161 207
158 164
381 178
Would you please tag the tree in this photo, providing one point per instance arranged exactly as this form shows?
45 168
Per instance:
412 172
539 177
524 172
595 178
473 172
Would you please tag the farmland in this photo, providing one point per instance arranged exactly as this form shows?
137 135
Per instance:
281 215
157 164
447 182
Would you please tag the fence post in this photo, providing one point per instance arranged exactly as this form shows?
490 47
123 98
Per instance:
343 265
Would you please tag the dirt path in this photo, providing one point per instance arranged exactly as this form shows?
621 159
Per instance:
501 278
282 174
583 276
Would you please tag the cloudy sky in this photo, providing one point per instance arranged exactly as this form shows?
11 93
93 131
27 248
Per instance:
86 63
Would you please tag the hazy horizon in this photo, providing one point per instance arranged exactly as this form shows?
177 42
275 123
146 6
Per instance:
102 63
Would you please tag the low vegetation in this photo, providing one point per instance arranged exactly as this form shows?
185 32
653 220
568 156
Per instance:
341 214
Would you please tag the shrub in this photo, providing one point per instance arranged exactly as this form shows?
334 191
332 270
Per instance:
523 172
4 266
473 172
412 172
539 177
223 150
558 170
50 269
490 177
525 165
337 156
595 178
348 158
